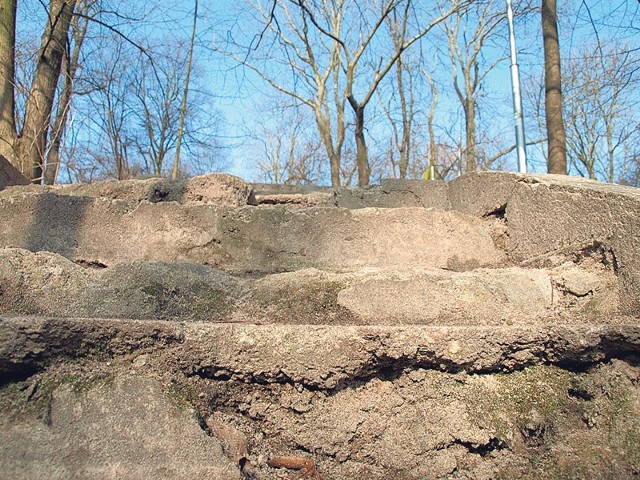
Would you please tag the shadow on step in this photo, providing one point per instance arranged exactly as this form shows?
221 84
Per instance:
55 223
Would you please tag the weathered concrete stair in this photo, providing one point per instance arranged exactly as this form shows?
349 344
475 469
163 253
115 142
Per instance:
308 318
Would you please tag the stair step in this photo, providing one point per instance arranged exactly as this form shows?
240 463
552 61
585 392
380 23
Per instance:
244 239
49 284
319 356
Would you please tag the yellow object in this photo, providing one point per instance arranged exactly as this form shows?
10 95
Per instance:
429 173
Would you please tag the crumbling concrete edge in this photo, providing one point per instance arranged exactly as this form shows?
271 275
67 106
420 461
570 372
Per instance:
331 358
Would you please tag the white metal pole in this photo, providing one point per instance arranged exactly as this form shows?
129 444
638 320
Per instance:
517 98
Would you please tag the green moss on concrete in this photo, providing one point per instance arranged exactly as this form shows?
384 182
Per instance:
31 398
192 302
314 303
14 302
154 290
508 400
620 412
26 400
181 396
594 434
210 304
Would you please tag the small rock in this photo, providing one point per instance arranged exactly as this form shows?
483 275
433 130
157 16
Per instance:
417 375
534 429
233 440
218 189
31 390
141 360
578 282
590 419
454 347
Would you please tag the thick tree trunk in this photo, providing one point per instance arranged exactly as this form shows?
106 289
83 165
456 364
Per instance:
79 26
467 100
334 162
53 155
362 154
8 134
41 96
557 143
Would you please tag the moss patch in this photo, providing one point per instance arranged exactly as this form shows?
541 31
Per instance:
313 303
563 425
31 398
195 302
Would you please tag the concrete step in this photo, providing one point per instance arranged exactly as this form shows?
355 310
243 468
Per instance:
535 220
121 427
49 284
494 337
244 239
320 357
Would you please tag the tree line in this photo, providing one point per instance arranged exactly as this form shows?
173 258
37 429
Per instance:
350 91
104 94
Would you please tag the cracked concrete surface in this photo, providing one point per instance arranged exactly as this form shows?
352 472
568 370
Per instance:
482 329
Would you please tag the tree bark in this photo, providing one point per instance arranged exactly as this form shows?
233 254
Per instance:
334 164
39 106
53 155
79 27
8 134
470 131
362 154
183 108
324 129
407 121
433 147
557 143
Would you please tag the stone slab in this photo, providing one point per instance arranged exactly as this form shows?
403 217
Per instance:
317 356
212 189
549 218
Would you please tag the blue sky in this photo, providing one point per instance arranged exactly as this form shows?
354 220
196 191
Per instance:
240 96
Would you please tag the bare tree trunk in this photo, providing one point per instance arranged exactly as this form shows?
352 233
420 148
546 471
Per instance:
407 120
122 165
610 152
334 163
557 143
183 108
433 147
362 154
324 130
64 101
468 102
8 134
335 159
41 96
53 155
470 130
